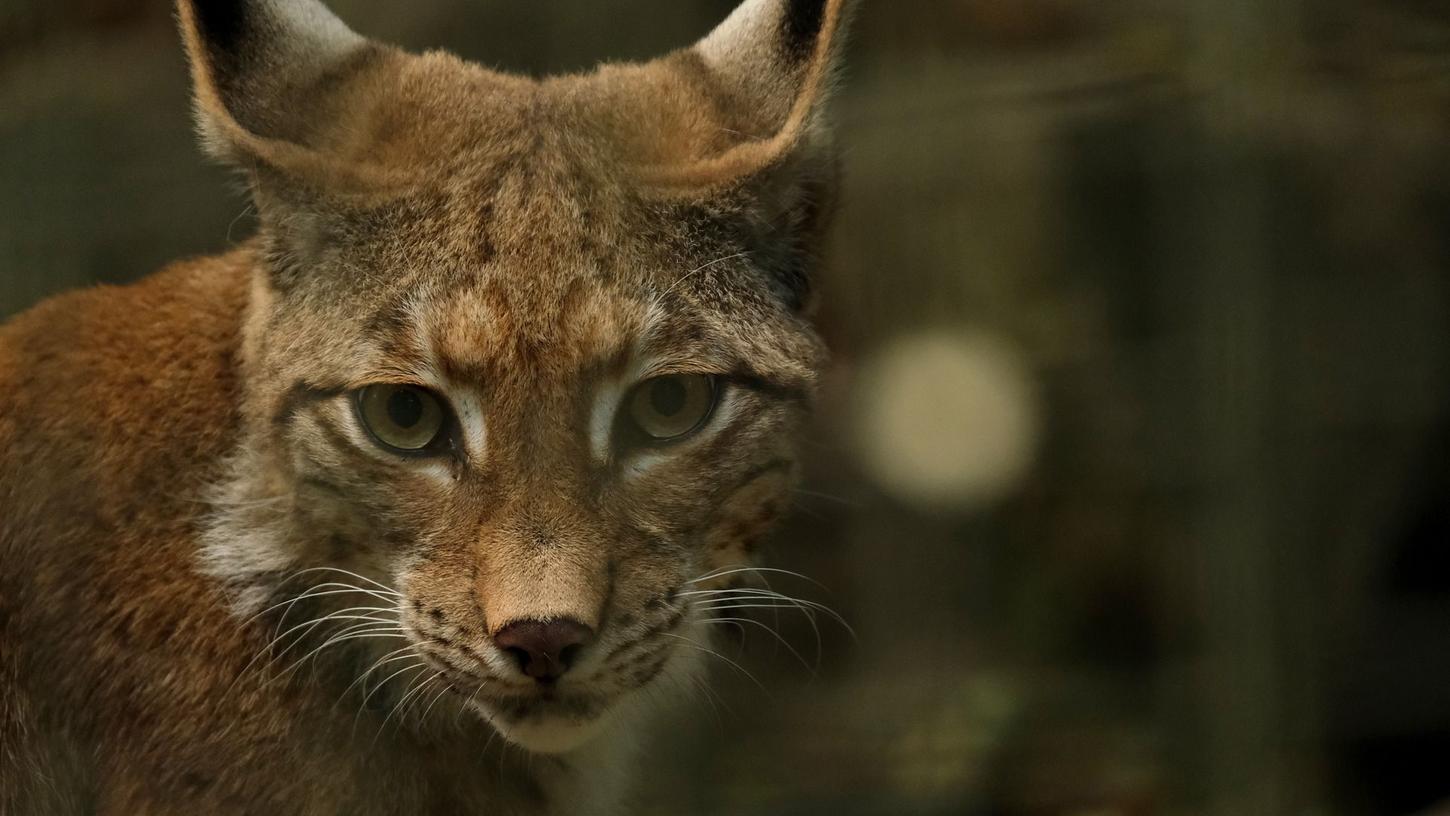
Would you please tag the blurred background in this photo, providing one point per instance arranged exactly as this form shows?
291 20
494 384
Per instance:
1133 474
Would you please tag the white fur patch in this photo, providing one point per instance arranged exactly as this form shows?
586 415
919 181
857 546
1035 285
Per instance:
468 409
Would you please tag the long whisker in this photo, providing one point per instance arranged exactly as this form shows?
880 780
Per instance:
313 593
777 635
381 586
715 602
413 667
710 697
309 626
473 703
354 632
730 605
725 595
701 268
429 708
398 706
826 496
693 645
725 571
402 653
773 599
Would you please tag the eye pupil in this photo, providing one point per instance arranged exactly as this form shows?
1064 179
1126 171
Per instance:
405 408
672 405
667 397
402 418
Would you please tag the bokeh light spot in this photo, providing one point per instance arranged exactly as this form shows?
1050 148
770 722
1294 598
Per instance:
947 420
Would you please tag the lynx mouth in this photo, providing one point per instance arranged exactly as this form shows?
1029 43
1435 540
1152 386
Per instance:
559 714
547 722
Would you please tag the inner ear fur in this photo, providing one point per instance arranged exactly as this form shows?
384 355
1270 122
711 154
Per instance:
768 71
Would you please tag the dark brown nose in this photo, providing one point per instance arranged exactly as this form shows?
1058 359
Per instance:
544 650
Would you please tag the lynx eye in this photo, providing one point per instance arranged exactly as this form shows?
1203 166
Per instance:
402 418
669 407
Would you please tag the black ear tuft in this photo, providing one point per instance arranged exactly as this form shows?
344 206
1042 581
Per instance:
221 23
775 59
223 27
266 69
802 27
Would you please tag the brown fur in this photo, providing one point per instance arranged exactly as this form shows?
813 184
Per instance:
183 480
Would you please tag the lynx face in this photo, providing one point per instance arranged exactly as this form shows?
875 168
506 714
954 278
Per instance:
525 358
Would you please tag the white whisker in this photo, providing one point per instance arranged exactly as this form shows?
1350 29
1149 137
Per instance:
810 615
777 635
414 667
311 593
701 268
398 706
381 586
434 702
401 653
309 626
354 632
724 571
693 645
716 597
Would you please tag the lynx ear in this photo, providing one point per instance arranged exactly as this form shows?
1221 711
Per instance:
772 63
769 72
277 81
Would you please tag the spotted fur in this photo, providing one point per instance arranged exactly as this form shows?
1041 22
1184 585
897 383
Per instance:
220 596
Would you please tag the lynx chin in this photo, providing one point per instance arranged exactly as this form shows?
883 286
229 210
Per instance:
424 499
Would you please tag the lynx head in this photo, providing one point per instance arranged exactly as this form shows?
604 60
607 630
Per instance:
528 354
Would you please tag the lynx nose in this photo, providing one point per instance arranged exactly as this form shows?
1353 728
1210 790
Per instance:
544 650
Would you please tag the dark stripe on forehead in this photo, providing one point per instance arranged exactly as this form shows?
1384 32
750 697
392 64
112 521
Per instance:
394 329
388 320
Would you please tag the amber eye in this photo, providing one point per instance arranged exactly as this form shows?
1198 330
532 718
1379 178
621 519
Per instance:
404 418
672 406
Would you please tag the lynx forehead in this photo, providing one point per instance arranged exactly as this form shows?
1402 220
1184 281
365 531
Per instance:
494 409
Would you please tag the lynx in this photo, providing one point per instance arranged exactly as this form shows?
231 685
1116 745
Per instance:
425 498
